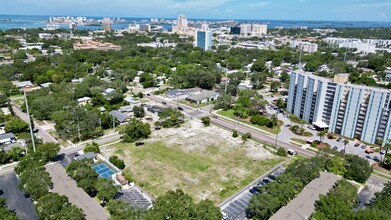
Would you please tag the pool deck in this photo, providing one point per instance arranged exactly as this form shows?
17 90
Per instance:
64 185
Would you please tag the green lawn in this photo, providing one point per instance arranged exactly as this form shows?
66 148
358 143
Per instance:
214 173
230 114
297 140
195 105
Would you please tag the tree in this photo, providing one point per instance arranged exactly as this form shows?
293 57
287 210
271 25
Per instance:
171 118
106 189
258 66
246 136
224 101
120 210
274 86
53 206
92 147
117 162
321 136
206 121
357 168
50 204
282 152
48 151
16 125
345 142
135 130
138 112
178 205
274 120
5 213
235 134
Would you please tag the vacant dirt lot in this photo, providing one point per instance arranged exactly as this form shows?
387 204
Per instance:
206 162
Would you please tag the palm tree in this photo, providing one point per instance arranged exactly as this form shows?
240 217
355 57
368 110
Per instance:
387 146
274 119
345 142
321 135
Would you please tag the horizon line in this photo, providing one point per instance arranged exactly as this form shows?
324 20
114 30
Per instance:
235 19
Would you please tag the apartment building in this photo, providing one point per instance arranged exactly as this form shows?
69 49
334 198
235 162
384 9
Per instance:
353 111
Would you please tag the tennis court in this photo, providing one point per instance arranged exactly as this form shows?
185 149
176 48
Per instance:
103 170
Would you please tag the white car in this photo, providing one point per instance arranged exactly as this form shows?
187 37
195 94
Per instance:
225 216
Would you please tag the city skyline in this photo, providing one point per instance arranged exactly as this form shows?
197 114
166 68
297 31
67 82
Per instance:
317 10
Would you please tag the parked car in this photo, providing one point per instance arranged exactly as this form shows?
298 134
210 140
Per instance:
180 108
369 151
339 139
382 152
253 191
363 146
375 158
357 144
291 152
164 103
311 127
335 148
225 216
139 143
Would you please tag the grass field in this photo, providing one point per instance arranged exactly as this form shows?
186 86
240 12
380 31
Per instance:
206 162
230 114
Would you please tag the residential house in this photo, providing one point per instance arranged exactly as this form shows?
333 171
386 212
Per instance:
121 117
245 84
127 108
108 91
89 155
132 100
23 84
7 138
84 100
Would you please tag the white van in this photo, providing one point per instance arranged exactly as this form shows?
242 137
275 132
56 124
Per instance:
291 152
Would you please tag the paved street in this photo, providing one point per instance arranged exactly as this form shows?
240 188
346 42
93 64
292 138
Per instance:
16 200
46 137
64 185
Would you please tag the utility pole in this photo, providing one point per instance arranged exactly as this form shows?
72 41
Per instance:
113 122
226 79
28 115
78 131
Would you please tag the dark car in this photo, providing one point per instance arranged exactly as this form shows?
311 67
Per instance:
164 103
180 108
339 139
376 159
253 191
139 143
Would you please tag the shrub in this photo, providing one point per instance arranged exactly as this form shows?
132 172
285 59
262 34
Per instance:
282 152
117 162
235 134
92 147
246 136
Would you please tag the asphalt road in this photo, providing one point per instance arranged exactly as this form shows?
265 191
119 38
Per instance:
15 199
46 137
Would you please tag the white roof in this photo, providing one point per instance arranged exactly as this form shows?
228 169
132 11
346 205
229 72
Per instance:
84 99
320 124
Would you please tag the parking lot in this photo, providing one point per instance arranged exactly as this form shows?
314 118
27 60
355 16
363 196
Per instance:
16 200
135 198
368 193
236 208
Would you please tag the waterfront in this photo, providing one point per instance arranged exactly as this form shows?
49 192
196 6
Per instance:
33 21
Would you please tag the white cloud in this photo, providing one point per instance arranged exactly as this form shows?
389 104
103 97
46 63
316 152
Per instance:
376 5
260 4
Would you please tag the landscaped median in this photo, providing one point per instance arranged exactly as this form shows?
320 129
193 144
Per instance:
229 114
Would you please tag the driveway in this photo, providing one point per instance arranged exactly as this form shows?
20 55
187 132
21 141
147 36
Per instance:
64 185
16 200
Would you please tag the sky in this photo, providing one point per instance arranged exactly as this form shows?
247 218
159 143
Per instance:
319 10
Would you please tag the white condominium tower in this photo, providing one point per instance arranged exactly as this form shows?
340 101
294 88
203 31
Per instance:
352 111
182 21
